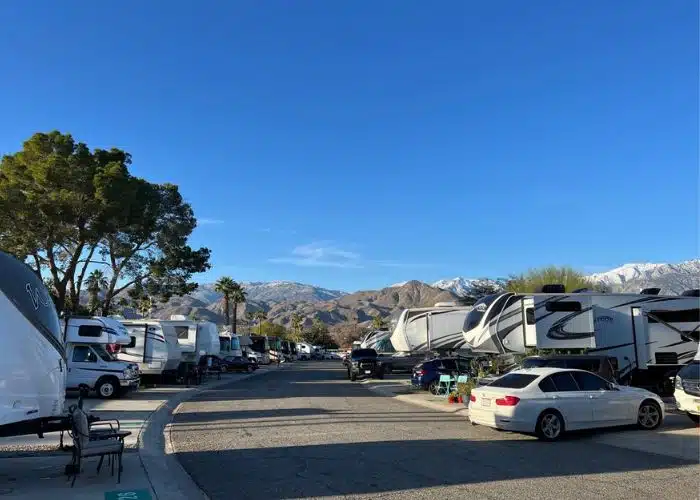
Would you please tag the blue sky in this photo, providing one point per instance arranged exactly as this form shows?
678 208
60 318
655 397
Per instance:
357 144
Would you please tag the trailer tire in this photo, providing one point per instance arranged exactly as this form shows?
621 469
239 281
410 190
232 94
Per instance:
107 387
649 415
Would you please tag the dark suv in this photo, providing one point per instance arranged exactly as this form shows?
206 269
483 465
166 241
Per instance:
604 366
364 363
427 374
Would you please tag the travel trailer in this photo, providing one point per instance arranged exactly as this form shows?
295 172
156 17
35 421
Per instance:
33 366
195 338
650 336
91 346
153 346
305 351
437 328
379 340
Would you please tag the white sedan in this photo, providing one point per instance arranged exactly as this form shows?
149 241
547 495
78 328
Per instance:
550 401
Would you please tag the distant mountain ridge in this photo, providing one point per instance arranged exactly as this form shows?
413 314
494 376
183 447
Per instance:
281 299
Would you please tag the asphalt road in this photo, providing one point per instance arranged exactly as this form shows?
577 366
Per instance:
307 432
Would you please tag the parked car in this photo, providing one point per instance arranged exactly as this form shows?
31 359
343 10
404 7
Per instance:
687 390
551 401
238 364
426 375
364 363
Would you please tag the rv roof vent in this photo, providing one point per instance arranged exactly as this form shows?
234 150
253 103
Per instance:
650 291
553 288
445 304
691 293
177 317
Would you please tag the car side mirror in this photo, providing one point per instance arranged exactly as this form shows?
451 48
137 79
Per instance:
612 387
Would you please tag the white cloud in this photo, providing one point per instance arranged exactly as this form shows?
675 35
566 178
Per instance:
204 221
321 254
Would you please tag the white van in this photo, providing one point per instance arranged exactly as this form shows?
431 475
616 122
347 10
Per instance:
91 346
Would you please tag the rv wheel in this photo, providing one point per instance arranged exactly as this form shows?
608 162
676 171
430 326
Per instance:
107 388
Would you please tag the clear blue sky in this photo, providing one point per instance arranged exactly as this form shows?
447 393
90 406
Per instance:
353 144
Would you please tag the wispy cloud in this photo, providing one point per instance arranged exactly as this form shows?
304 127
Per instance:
327 254
321 254
204 221
278 231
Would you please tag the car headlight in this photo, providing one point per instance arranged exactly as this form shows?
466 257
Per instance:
679 383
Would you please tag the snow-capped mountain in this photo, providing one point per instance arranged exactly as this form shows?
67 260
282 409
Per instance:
671 278
271 292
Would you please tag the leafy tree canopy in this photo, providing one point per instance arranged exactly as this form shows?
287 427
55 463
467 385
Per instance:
67 210
534 279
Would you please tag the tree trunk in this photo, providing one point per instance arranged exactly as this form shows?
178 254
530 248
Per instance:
227 316
235 316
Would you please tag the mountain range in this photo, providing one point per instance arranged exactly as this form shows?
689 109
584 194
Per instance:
281 299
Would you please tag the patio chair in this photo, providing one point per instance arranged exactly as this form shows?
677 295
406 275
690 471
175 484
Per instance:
444 385
91 441
462 379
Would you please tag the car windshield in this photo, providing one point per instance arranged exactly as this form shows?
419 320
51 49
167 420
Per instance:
102 352
690 371
480 307
513 381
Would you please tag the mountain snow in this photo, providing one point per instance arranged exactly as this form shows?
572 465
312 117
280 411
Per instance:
671 278
464 286
271 292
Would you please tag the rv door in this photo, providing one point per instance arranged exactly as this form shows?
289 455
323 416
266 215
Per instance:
640 330
529 326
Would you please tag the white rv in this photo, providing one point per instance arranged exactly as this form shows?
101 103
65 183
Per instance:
91 346
650 336
437 328
152 345
32 368
304 351
195 338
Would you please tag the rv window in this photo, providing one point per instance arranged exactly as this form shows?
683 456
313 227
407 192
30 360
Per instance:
132 343
568 306
183 332
530 315
89 331
564 382
589 382
83 354
684 316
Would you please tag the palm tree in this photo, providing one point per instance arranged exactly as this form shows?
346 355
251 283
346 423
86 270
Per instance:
260 316
145 306
238 296
249 317
225 286
94 283
297 322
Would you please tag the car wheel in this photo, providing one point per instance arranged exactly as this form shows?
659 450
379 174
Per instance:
433 387
550 425
107 388
694 418
649 415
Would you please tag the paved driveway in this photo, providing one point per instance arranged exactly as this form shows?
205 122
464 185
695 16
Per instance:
307 432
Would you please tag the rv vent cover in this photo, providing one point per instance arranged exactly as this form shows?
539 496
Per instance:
650 291
553 288
691 293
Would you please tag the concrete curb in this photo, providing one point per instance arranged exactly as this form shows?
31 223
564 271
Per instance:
406 398
168 479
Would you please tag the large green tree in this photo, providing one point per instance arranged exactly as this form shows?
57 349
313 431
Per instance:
534 279
67 210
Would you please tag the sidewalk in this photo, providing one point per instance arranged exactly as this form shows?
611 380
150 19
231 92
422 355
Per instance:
33 469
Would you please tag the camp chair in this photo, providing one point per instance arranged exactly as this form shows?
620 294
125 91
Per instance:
462 379
444 385
108 444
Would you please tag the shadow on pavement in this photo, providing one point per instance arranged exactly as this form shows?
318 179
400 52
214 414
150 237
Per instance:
375 467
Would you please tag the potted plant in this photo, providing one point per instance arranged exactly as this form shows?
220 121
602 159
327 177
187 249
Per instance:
452 398
464 389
